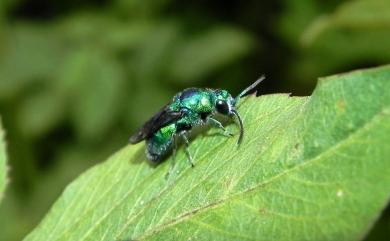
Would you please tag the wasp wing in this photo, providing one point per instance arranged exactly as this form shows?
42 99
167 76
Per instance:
163 118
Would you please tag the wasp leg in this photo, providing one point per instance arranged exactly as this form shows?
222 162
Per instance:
218 124
173 161
187 145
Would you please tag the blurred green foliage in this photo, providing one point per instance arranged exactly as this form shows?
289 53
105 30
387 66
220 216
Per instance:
77 77
3 163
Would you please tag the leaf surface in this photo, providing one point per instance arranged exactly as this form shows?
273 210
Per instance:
309 168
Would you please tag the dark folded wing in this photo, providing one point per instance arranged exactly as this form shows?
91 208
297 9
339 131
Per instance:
163 118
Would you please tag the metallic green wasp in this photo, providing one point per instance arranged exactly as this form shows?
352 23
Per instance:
188 109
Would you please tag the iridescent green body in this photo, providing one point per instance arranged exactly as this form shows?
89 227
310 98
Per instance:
189 108
197 105
161 142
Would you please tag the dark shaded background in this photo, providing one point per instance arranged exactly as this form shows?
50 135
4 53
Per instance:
77 77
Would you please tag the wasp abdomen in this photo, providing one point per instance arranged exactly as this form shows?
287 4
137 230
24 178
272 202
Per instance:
157 151
160 143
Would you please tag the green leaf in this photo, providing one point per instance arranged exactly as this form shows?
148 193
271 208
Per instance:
197 56
296 16
29 53
96 83
137 9
358 15
40 112
3 166
354 34
309 168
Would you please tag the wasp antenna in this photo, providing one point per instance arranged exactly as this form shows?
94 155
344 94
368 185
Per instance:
252 86
241 126
249 88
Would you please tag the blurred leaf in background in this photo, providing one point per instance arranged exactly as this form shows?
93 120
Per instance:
351 35
74 75
3 163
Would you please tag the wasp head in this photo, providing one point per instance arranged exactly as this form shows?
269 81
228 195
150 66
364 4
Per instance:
225 104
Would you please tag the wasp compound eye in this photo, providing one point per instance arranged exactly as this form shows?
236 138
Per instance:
222 107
